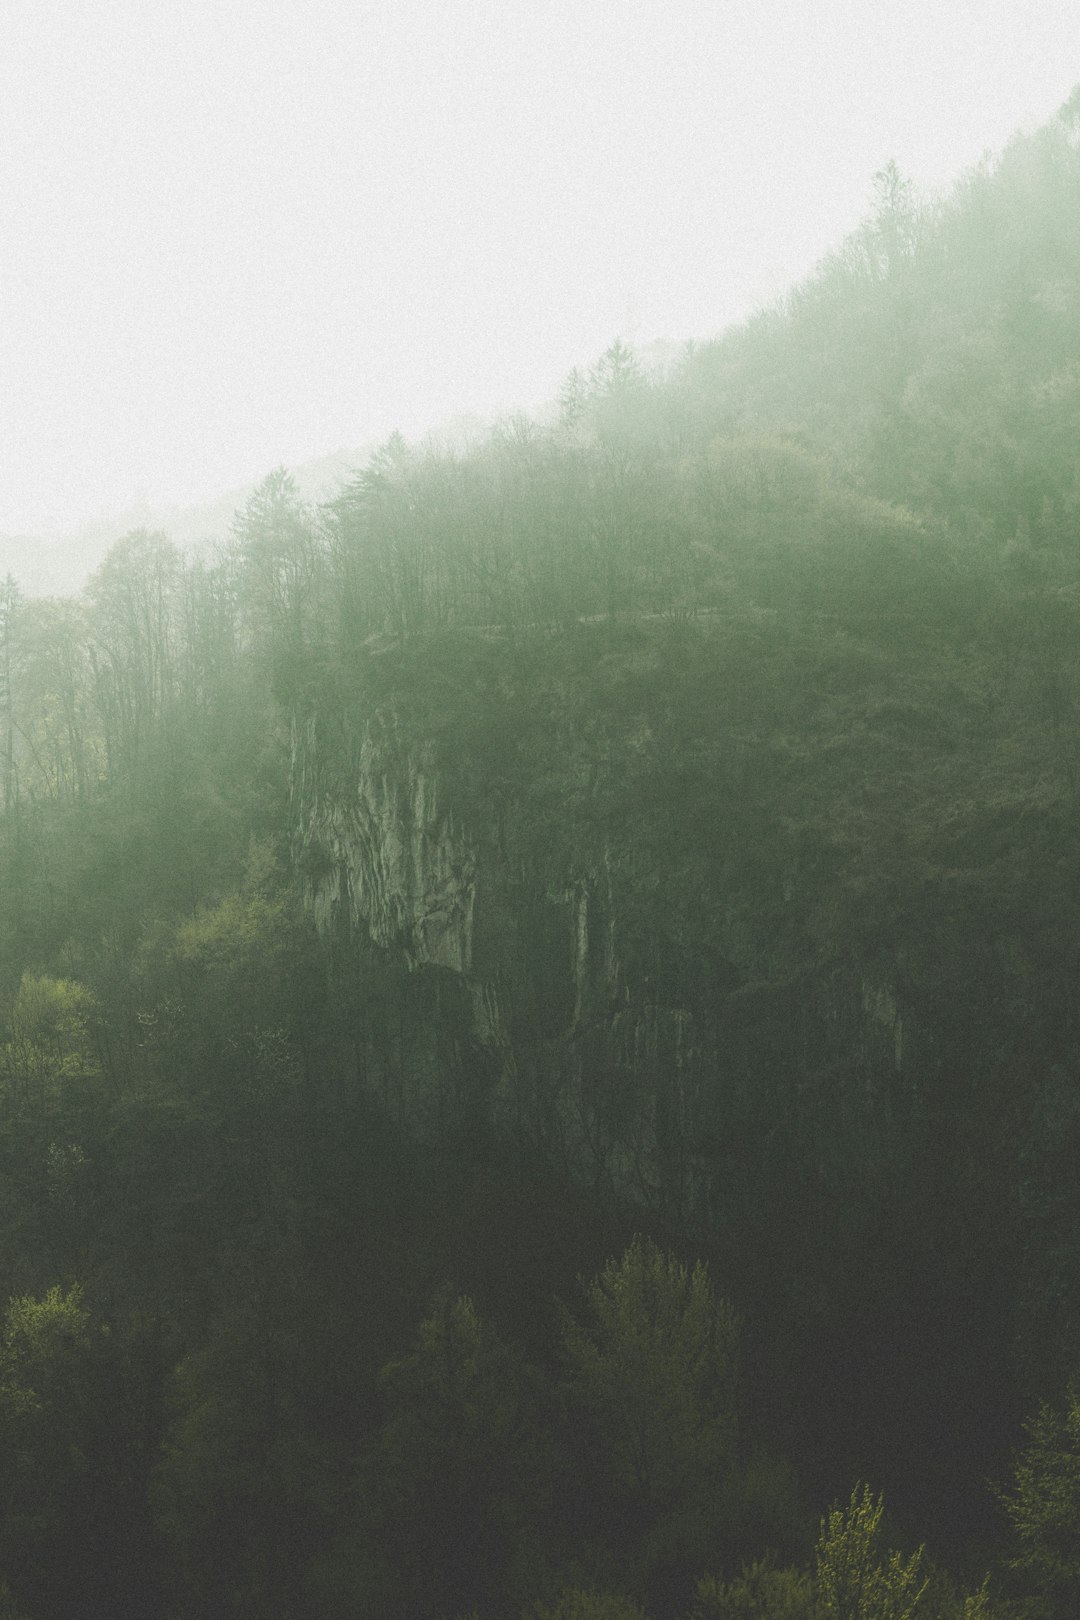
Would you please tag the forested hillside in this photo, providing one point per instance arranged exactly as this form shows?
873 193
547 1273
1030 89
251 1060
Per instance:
540 1043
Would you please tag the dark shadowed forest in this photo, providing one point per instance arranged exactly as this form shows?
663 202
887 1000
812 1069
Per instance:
540 998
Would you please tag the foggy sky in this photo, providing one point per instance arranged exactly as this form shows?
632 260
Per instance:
235 233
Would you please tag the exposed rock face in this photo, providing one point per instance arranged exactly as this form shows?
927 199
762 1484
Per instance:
772 970
549 960
387 855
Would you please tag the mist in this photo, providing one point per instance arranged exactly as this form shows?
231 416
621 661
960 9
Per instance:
267 233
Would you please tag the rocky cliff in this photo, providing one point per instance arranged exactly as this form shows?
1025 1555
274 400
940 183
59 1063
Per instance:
772 935
587 847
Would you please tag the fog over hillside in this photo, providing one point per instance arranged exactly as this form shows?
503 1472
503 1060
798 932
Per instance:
60 564
242 236
538 968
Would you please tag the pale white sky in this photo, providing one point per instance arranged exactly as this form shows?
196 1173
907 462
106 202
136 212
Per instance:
240 232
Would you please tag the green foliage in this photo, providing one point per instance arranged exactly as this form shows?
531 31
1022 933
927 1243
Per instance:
977 1605
227 941
654 1362
761 1592
135 597
238 1489
277 552
1044 1508
229 990
652 1368
49 1065
462 1477
50 1025
41 1335
68 1457
856 1579
51 746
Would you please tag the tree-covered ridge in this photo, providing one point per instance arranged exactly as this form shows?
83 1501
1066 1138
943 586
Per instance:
896 436
756 687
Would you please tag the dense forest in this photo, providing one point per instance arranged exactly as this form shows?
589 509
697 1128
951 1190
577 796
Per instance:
539 1036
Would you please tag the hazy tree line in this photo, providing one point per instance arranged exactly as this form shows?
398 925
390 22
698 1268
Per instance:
897 429
267 1355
